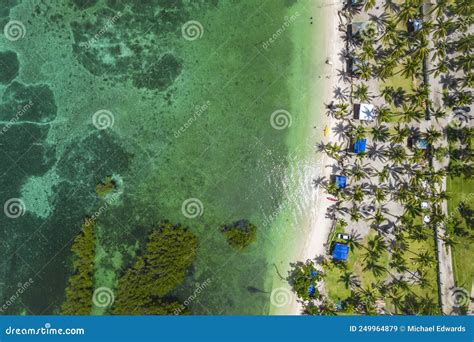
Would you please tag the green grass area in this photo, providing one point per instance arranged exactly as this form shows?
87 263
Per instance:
397 80
336 290
415 247
461 188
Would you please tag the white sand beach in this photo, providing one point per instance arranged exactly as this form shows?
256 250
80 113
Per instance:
319 225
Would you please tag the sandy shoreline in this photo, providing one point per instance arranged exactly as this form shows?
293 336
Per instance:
318 225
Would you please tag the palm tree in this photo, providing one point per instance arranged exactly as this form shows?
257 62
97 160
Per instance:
349 280
369 5
438 113
375 247
353 241
390 6
380 133
400 134
408 10
359 132
358 194
439 8
377 270
383 114
397 154
361 92
410 67
432 135
425 259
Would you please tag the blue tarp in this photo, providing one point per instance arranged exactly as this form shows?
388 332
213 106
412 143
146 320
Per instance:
311 290
340 251
422 144
359 145
341 182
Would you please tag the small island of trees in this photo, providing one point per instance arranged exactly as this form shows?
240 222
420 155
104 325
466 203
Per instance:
240 234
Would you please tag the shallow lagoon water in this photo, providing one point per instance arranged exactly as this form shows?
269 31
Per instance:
187 119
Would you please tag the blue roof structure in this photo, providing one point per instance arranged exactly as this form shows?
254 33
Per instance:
359 145
341 181
422 144
340 252
311 290
314 274
415 25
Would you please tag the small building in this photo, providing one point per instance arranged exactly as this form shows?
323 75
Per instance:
311 290
314 274
360 145
414 25
421 144
353 66
364 111
340 252
355 29
341 182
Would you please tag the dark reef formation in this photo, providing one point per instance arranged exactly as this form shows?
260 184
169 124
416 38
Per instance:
9 66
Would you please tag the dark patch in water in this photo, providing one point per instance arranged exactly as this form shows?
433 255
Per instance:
9 66
28 103
160 75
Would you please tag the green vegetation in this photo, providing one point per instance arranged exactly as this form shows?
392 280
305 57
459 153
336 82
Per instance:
460 206
144 288
9 66
396 188
79 290
106 186
240 234
302 276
